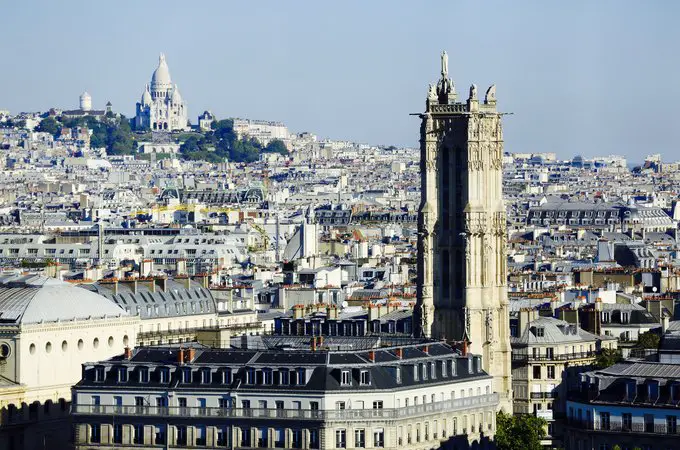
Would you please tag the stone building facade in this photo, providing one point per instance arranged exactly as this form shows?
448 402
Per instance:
161 107
462 231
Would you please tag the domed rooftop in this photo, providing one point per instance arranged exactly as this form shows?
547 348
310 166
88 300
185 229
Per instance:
146 96
161 76
85 95
27 299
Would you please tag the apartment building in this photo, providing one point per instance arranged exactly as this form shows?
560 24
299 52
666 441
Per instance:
420 395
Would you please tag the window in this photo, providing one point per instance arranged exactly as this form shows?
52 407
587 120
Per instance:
245 404
605 421
672 424
340 405
537 372
222 436
314 406
360 438
378 404
164 374
379 438
262 404
341 438
181 435
138 435
313 438
649 423
365 378
296 438
99 374
159 434
626 421
444 369
95 433
200 435
415 372
117 433
345 379
551 372
226 376
224 403
423 371
186 375
143 374
540 332
205 376
279 438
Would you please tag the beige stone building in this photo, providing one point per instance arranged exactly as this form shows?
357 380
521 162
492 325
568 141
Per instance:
546 353
462 231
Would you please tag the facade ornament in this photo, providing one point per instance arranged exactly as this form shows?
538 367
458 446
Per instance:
473 92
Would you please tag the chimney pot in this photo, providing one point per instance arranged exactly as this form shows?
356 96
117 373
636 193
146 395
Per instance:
128 353
180 356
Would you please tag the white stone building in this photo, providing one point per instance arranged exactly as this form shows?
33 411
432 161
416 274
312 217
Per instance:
161 107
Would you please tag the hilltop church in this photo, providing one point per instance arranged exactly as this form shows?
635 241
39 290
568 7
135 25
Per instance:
161 107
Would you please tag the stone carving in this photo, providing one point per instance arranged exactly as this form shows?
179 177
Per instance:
445 64
432 91
490 96
473 92
489 325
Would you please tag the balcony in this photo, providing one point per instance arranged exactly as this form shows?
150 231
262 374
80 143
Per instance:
615 426
460 404
559 357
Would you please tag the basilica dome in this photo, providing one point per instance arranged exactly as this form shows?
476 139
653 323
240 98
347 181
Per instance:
161 76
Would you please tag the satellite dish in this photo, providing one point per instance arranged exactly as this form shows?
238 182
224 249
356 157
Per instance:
345 304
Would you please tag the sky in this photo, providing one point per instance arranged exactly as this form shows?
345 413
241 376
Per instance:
579 77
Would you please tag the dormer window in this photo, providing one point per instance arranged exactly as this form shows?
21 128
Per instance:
453 367
470 365
365 378
122 375
99 374
444 369
631 390
301 377
143 374
250 376
540 332
345 379
226 376
415 372
205 376
653 390
423 371
186 375
398 374
164 374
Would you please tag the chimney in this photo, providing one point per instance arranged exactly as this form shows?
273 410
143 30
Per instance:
426 349
465 347
399 352
320 341
128 353
181 266
180 356
665 322
313 343
162 282
189 355
146 268
298 311
371 356
332 312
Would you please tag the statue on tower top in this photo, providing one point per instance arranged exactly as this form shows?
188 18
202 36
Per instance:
445 86
445 64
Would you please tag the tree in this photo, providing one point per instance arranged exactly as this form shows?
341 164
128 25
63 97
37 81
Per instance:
519 432
48 125
648 340
607 357
276 146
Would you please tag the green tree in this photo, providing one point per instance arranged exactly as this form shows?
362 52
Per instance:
607 357
648 340
519 432
276 146
190 145
48 125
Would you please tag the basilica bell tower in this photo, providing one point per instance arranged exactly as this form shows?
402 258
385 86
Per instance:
462 230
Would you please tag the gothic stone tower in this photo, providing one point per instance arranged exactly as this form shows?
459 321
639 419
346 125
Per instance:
462 232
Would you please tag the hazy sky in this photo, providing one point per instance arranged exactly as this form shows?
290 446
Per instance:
587 77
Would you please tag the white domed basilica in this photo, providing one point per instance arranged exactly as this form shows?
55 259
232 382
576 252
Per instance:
161 107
